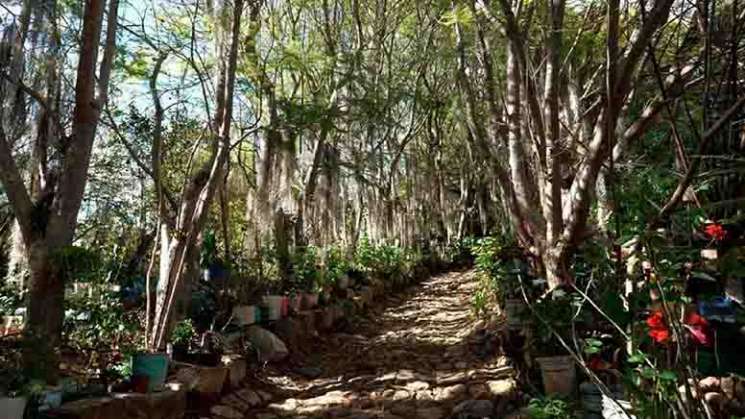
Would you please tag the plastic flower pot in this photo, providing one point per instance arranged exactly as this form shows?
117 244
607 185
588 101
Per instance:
258 314
310 300
559 375
215 272
343 282
273 304
154 366
12 407
285 306
140 383
296 303
51 398
244 315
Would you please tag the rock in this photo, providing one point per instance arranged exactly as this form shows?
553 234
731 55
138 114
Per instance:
237 369
269 346
473 409
288 405
328 399
461 365
453 378
210 379
735 407
401 395
226 412
709 384
161 405
715 400
235 402
417 385
479 391
740 390
100 407
450 393
289 330
727 384
188 377
430 413
250 397
404 376
502 388
265 397
309 372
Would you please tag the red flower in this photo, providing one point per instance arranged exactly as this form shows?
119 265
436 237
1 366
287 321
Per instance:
694 319
659 335
657 328
698 328
656 320
715 231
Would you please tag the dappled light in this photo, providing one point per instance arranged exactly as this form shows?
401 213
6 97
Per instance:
409 209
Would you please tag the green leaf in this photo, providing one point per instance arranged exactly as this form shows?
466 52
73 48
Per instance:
668 375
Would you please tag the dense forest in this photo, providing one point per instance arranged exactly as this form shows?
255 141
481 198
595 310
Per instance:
166 163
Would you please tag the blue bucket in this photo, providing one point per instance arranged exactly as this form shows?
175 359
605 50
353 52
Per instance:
152 366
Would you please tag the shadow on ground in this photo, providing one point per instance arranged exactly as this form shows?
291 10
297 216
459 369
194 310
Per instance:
417 355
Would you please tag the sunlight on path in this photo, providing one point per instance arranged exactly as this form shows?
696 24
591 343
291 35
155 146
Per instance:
415 356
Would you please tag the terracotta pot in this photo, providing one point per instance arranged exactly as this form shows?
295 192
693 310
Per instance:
310 300
559 375
274 304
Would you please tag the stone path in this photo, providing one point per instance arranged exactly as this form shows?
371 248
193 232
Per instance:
417 355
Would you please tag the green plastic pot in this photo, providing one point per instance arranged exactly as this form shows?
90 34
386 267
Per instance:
154 366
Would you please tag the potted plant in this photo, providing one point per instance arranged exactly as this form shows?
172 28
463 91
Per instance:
214 269
181 338
150 368
554 316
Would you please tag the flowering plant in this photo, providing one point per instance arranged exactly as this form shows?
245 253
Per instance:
658 329
716 231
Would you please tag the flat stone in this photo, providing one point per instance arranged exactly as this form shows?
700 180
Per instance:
237 368
502 388
450 392
430 413
249 396
405 375
452 378
265 397
235 402
268 345
417 385
479 391
161 405
330 398
226 412
401 395
473 409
